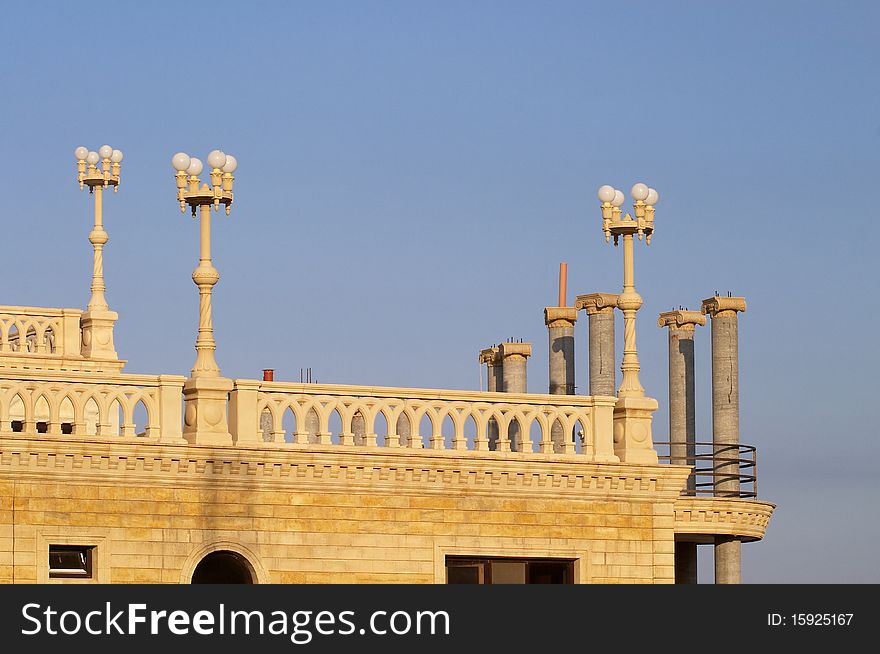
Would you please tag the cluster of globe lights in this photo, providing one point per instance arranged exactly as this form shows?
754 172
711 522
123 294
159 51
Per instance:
640 193
217 160
105 152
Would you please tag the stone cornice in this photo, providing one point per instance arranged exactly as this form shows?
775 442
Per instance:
560 316
681 319
698 518
594 303
335 469
715 306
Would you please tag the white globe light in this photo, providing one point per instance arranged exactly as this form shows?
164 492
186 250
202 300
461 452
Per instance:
216 159
652 198
606 193
195 166
105 151
116 157
180 161
619 198
639 191
231 164
81 153
92 157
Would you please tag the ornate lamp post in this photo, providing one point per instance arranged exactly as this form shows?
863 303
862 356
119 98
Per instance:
98 320
205 391
629 301
201 198
632 429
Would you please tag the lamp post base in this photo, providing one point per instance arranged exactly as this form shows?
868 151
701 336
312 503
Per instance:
632 430
97 334
204 413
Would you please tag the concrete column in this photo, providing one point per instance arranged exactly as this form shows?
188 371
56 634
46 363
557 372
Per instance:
682 404
682 417
513 380
725 421
560 325
404 432
359 429
312 427
685 562
491 356
600 309
266 425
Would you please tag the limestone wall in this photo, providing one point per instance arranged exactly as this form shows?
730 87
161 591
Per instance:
322 515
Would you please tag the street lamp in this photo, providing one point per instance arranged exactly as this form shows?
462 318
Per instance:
191 191
629 301
97 179
97 322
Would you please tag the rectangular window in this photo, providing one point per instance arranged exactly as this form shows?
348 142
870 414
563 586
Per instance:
500 570
71 561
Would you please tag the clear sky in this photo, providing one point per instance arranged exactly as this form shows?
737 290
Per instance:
411 174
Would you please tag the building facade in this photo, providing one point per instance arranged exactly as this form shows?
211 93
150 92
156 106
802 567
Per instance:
106 476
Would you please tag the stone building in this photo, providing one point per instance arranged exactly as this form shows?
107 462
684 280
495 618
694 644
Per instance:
111 476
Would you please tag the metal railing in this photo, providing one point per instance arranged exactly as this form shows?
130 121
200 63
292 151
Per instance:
720 470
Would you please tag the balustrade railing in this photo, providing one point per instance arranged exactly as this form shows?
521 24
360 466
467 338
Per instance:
435 419
59 404
30 331
279 414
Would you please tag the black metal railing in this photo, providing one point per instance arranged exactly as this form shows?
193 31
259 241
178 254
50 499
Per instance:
720 470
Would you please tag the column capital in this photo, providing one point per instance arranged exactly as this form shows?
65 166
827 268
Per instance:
523 350
594 303
491 356
681 319
715 306
560 316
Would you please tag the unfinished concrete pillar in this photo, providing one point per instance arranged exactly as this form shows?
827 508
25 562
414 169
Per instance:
560 325
682 403
725 421
682 417
513 380
600 309
358 428
491 356
685 562
404 432
313 425
266 425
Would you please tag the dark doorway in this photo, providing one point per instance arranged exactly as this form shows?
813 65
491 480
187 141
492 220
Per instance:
223 567
498 570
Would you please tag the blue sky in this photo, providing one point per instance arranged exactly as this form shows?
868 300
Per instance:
411 174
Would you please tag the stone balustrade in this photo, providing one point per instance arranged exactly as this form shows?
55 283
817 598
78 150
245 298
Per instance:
50 385
40 331
84 404
414 418
56 339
